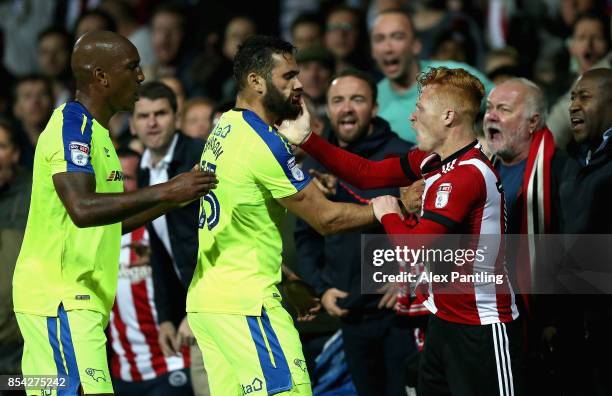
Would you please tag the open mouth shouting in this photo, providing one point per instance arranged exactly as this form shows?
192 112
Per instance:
347 124
391 65
577 122
493 133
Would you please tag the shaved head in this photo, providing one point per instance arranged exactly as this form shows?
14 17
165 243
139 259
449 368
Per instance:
602 76
97 50
590 103
106 67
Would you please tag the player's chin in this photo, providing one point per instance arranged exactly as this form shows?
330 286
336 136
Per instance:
423 146
129 105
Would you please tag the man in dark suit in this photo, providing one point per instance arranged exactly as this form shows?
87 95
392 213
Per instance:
173 237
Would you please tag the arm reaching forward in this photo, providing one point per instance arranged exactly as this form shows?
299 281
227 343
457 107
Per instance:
327 217
87 208
358 171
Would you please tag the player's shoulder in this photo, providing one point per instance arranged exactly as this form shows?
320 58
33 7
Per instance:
74 111
476 167
68 118
468 165
266 135
477 160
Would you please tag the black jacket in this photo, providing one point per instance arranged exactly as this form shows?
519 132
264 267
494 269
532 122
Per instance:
335 261
171 279
586 193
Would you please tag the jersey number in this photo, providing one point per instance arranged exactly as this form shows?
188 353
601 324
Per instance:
213 218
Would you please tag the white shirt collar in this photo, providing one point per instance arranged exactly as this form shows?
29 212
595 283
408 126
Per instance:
145 163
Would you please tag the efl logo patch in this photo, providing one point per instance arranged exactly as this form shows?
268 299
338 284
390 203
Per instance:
442 195
79 153
295 169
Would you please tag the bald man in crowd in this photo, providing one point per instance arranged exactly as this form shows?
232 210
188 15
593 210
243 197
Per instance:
66 274
586 200
585 209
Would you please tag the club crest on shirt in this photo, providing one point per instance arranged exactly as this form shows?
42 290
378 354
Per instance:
442 195
79 153
295 169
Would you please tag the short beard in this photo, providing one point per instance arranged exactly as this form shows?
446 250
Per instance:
281 107
506 155
361 132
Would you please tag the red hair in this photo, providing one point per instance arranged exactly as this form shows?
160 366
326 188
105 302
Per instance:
457 85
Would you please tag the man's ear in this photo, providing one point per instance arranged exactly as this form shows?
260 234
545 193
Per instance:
100 76
374 111
257 83
449 117
534 120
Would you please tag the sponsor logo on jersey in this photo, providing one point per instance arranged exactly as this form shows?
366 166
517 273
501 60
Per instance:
115 176
79 153
255 386
449 167
135 274
177 378
442 195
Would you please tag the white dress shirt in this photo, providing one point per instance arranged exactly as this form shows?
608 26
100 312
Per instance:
159 174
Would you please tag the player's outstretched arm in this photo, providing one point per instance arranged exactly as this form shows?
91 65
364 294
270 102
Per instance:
327 217
358 171
86 208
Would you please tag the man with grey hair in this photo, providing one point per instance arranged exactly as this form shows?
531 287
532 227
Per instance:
516 133
530 168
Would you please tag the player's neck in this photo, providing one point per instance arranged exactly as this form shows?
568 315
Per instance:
456 140
96 106
256 107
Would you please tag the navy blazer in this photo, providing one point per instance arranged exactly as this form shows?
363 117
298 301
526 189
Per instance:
171 279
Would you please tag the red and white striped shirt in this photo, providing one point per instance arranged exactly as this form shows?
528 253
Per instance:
133 326
463 194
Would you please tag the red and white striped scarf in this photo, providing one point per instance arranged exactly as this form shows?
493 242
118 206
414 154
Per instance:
536 196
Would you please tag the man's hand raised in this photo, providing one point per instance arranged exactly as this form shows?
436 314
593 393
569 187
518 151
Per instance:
298 130
190 185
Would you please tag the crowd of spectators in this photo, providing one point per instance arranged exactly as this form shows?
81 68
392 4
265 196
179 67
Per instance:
528 54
